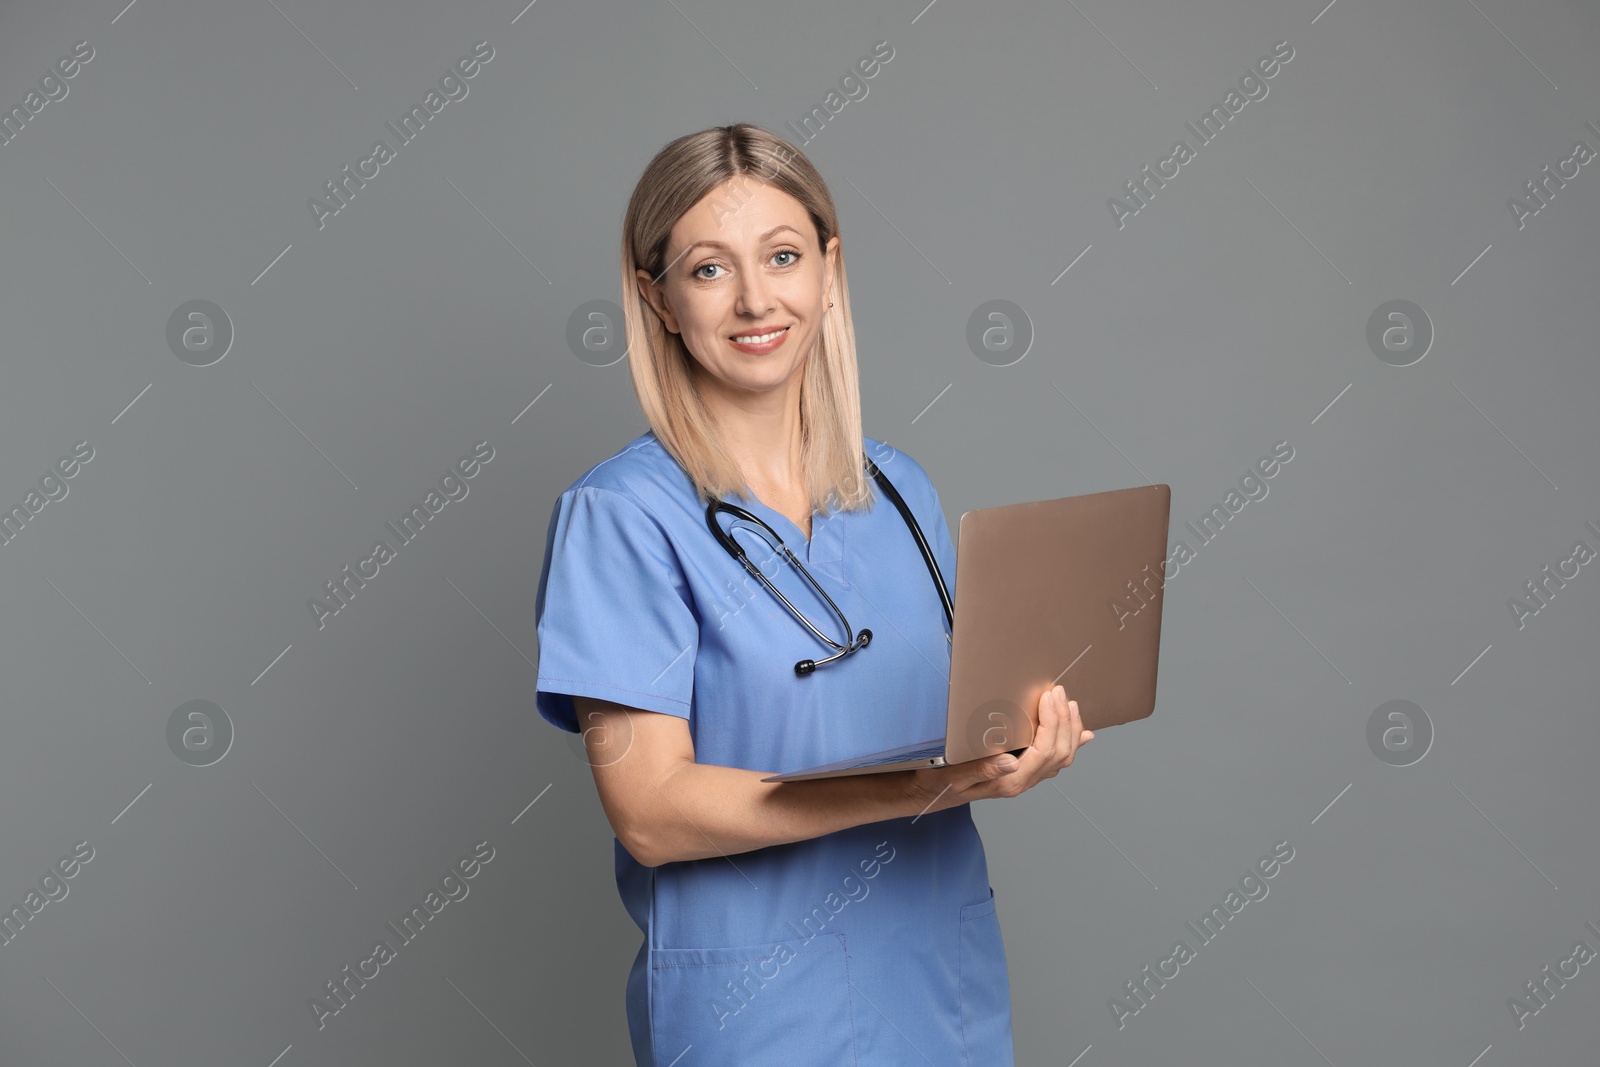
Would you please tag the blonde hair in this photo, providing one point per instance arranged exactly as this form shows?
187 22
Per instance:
679 176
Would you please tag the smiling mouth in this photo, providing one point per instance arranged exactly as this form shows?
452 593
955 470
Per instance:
758 338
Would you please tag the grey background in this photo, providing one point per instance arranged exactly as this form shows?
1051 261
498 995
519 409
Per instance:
1228 315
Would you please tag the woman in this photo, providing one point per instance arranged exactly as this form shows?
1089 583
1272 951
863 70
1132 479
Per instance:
835 921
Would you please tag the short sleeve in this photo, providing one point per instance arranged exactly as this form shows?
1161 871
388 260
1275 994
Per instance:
614 613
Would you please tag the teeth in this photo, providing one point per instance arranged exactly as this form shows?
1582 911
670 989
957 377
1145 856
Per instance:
752 339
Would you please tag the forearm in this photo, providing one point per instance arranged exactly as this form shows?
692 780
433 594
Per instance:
702 810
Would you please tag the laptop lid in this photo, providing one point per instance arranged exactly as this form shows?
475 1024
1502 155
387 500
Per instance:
1064 591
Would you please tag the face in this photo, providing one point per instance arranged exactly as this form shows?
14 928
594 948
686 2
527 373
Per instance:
744 263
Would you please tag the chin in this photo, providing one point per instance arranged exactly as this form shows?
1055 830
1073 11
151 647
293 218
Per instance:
761 378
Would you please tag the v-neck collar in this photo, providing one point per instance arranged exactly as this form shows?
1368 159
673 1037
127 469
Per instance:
825 543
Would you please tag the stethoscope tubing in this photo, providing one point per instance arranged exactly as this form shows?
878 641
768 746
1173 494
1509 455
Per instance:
743 558
922 544
856 641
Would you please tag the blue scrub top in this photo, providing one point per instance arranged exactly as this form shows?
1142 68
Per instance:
877 944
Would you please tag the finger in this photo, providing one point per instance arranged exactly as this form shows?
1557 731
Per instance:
1044 730
966 782
1073 729
1049 739
1064 732
1048 736
1040 753
992 767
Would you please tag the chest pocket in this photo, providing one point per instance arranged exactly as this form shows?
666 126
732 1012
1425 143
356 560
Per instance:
711 1007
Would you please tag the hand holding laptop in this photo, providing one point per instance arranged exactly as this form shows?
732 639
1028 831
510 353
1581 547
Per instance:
1055 743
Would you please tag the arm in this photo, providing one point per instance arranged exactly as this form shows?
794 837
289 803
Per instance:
663 806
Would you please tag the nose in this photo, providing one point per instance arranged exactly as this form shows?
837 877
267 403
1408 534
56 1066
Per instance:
753 294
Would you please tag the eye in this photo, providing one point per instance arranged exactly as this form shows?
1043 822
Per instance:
794 255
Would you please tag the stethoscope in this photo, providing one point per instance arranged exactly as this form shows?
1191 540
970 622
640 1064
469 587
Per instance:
855 641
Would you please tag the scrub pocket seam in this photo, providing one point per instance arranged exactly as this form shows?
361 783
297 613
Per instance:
849 998
980 909
983 909
696 970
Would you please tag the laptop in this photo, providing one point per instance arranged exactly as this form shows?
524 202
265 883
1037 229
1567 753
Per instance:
1051 592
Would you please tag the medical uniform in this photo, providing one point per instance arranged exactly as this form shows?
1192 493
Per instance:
874 945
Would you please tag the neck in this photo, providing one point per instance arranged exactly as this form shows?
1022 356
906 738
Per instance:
762 430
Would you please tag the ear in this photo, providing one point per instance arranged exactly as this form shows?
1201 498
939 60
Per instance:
656 298
830 259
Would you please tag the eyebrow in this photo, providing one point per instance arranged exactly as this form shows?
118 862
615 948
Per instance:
763 239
